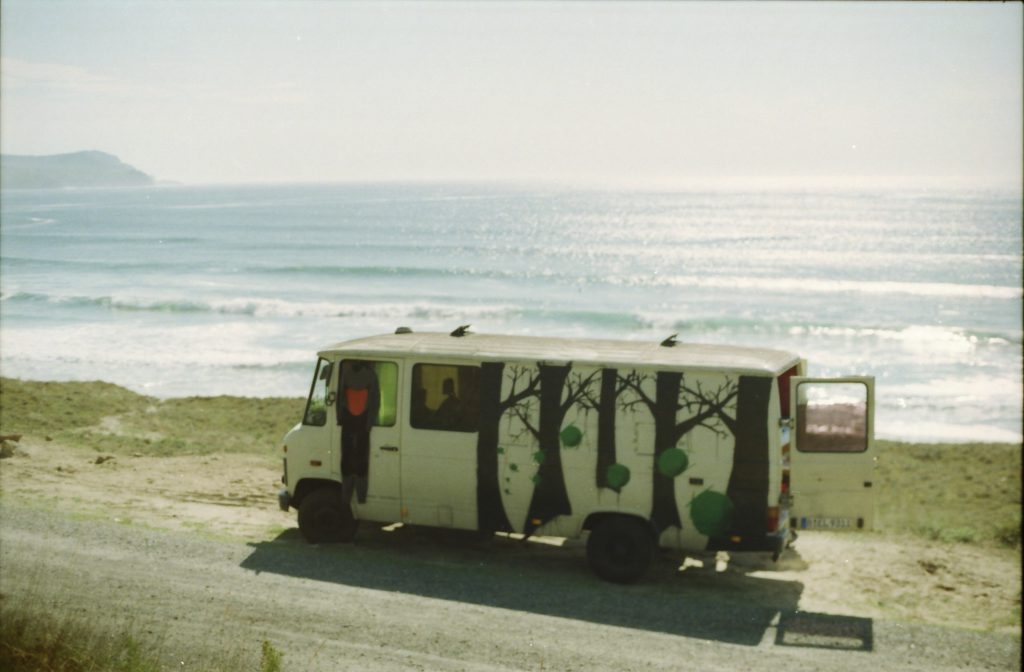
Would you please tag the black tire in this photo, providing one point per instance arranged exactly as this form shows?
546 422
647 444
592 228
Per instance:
620 549
324 518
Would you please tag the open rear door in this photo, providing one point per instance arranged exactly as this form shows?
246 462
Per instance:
832 453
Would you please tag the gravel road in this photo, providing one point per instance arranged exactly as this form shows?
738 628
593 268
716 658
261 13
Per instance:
435 600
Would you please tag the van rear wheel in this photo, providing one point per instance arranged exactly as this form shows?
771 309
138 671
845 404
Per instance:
620 549
325 518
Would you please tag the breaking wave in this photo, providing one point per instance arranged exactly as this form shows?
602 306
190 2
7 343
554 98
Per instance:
636 322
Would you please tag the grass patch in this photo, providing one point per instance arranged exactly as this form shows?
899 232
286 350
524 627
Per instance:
32 640
219 424
271 658
40 408
967 493
111 419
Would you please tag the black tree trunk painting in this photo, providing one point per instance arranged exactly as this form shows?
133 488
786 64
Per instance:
748 483
491 515
664 511
606 426
550 498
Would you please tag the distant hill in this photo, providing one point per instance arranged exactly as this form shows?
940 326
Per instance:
78 169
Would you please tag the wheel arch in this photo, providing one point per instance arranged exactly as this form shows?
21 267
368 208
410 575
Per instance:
597 517
308 485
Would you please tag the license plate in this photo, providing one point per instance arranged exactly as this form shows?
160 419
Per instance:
827 523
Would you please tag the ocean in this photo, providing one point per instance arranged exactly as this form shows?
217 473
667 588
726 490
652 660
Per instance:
208 290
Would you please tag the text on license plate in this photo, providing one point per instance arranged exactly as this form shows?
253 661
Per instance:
826 523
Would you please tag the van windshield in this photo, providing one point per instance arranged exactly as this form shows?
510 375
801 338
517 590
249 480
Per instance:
316 405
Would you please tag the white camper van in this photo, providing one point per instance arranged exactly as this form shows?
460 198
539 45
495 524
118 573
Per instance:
693 447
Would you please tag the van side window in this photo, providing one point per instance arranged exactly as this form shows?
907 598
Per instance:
316 405
445 397
362 377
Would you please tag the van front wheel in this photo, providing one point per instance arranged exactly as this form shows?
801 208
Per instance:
620 549
325 518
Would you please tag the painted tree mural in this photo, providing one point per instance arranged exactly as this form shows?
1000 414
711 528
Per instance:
698 407
491 515
535 401
559 392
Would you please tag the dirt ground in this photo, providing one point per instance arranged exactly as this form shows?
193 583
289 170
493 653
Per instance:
234 495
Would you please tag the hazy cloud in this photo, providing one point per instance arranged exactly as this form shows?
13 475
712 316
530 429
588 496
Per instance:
58 77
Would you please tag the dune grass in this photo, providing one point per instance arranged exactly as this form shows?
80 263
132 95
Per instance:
36 640
968 493
111 419
31 641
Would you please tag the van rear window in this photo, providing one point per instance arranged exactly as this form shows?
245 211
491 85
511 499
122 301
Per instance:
831 417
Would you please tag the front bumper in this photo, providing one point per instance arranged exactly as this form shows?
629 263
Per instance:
283 499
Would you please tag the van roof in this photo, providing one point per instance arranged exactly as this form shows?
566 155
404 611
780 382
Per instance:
602 353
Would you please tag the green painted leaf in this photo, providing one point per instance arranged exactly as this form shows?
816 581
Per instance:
571 436
617 476
536 479
539 456
712 513
672 462
501 451
513 467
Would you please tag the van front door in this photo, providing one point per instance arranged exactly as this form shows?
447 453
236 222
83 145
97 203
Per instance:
832 453
382 502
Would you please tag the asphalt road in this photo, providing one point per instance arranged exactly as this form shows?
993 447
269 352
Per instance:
435 600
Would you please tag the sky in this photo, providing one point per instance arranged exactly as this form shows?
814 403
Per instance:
664 92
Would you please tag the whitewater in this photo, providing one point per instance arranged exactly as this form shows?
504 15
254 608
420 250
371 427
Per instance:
188 290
